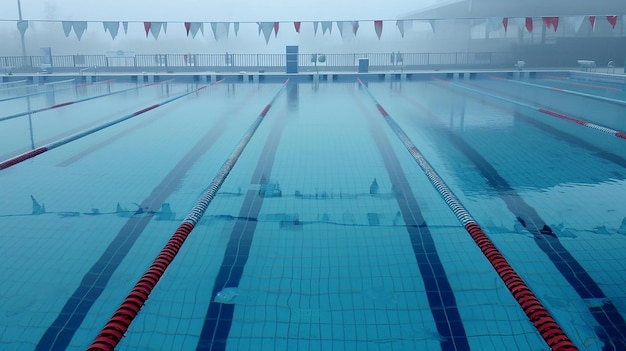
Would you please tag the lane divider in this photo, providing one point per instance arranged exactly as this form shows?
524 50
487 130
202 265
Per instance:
54 91
547 326
80 100
564 117
95 83
568 81
30 154
16 82
567 91
113 331
39 85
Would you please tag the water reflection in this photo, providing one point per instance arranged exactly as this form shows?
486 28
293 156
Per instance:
293 94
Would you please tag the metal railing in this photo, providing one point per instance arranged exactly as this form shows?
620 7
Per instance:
257 62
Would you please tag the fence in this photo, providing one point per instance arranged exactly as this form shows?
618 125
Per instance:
256 62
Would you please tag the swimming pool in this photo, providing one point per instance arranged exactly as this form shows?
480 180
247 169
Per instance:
326 234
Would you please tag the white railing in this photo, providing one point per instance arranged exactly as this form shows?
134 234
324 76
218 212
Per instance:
266 62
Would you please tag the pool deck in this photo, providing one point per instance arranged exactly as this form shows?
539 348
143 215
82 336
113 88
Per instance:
615 76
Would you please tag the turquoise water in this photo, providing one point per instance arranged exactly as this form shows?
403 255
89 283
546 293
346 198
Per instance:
330 264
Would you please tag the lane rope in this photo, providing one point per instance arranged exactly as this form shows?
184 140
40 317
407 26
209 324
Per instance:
567 91
114 330
543 321
607 130
30 154
67 103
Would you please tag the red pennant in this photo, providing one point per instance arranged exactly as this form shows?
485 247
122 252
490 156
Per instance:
592 20
187 26
551 22
297 26
378 27
529 24
146 26
612 20
276 29
505 23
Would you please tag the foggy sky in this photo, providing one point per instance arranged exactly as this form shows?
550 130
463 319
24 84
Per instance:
206 11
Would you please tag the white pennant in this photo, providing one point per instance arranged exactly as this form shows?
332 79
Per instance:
340 26
432 25
79 28
493 24
220 30
155 29
519 21
112 28
267 28
22 26
236 27
355 27
575 22
67 28
193 28
400 25
327 26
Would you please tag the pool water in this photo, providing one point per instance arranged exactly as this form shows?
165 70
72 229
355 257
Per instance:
326 234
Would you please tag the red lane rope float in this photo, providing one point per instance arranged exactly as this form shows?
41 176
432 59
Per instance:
581 122
547 326
30 154
114 330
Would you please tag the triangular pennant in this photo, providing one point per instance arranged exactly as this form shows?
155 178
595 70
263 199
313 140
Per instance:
260 27
355 27
155 29
432 25
529 24
519 22
296 25
574 21
22 26
612 20
378 28
340 27
315 25
236 27
111 27
165 28
146 27
327 26
125 25
400 25
220 30
551 22
267 28
193 28
493 24
79 28
505 23
187 27
214 29
592 20
67 27
276 25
